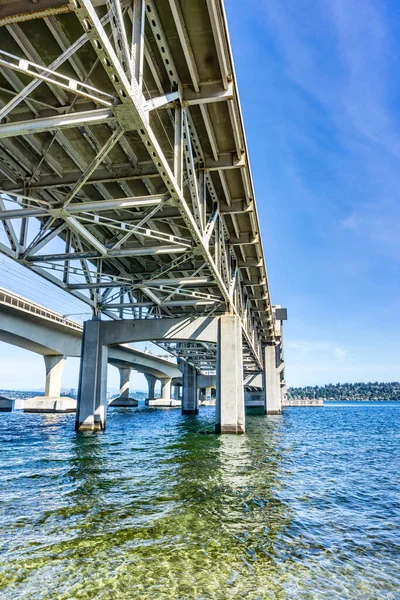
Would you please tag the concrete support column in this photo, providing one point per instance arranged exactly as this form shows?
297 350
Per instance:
151 381
54 365
190 397
176 394
166 389
124 377
208 392
272 387
91 409
51 402
230 410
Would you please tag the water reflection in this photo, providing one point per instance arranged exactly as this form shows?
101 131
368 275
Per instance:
301 506
226 485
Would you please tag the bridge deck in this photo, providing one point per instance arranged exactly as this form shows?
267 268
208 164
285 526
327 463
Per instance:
144 176
24 313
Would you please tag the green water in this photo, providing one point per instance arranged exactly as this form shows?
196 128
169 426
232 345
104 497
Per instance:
302 506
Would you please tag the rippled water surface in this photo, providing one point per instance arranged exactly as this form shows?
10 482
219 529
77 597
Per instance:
306 505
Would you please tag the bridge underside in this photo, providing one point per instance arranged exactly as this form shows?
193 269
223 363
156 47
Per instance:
125 177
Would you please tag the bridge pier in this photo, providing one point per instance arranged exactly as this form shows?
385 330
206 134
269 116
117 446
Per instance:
91 408
206 393
166 389
54 365
190 396
272 384
124 377
165 401
52 401
225 332
151 382
124 398
230 410
176 392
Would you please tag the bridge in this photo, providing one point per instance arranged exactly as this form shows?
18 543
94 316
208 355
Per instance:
35 328
127 183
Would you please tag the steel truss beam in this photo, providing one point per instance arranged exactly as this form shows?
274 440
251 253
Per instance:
167 303
89 117
186 281
54 65
221 255
24 10
141 251
93 239
103 205
32 69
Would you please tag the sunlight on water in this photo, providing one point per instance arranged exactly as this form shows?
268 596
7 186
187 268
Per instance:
303 506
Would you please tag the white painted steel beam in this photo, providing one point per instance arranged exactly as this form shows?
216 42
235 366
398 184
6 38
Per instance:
208 93
138 42
161 101
28 67
170 303
86 235
142 251
54 65
180 281
185 42
90 117
114 9
127 203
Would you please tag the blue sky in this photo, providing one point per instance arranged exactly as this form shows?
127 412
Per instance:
320 92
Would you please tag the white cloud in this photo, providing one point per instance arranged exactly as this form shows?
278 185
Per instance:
304 348
378 222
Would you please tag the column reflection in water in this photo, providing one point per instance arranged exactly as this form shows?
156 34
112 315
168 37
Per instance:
230 515
157 506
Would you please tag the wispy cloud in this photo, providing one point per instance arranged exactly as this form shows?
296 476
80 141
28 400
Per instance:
320 80
316 348
364 43
341 58
378 222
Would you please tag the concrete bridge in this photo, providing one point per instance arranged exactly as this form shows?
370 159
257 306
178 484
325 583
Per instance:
35 328
126 182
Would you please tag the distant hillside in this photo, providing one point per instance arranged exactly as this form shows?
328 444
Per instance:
349 391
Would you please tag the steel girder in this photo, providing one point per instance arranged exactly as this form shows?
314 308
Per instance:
113 245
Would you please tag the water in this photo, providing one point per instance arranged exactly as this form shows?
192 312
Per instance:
304 506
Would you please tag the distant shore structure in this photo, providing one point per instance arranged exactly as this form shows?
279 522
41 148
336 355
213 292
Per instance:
303 402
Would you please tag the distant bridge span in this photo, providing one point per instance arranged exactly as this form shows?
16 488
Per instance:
33 327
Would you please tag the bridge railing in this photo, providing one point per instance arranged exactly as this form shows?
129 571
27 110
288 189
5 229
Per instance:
8 298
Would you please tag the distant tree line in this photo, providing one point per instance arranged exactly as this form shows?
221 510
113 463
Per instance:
349 391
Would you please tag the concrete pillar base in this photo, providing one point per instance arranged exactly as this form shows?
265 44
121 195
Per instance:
6 404
92 426
273 412
236 429
123 401
45 404
189 411
163 403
